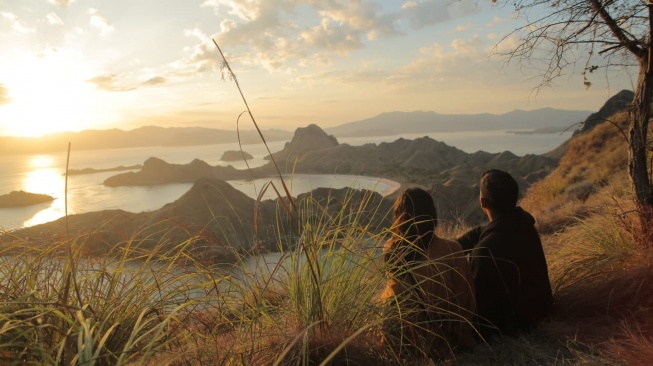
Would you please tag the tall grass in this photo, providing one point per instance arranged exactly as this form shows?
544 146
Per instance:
121 311
591 250
313 300
140 303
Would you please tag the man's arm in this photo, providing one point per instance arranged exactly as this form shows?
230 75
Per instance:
469 240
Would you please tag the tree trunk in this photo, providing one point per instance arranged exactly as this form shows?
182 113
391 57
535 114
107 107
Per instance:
638 169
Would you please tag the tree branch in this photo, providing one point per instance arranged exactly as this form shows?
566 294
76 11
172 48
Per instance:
616 30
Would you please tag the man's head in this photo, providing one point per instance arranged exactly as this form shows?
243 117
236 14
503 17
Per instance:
499 191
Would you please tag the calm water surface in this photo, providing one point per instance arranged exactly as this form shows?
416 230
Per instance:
44 173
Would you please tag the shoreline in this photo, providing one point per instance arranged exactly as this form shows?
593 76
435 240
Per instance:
393 185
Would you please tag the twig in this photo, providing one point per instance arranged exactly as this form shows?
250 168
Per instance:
225 64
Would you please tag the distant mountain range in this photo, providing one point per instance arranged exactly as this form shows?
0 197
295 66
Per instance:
392 123
140 137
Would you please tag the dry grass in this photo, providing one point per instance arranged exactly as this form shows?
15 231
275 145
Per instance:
592 162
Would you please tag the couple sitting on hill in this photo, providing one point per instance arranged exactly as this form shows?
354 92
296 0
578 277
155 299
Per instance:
443 295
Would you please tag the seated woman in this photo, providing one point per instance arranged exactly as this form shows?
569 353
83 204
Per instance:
430 291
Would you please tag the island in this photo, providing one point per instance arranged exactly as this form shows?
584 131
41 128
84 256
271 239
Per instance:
114 169
22 199
235 155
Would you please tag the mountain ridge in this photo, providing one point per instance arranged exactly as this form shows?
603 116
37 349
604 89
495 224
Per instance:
388 123
429 121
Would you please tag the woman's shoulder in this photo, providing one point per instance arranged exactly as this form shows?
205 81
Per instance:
441 247
446 243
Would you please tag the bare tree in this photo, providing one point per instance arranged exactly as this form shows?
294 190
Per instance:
583 36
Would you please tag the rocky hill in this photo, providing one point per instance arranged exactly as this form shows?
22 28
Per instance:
216 221
608 111
451 174
156 171
306 139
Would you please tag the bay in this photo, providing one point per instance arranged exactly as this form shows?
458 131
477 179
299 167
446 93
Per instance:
44 173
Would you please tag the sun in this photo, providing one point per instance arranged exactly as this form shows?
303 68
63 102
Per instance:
47 94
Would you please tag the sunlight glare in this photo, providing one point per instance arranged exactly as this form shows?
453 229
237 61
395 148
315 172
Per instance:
41 161
44 181
47 94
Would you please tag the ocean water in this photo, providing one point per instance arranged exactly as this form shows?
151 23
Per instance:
44 173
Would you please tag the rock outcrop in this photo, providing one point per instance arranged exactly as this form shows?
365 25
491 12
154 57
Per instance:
616 103
310 138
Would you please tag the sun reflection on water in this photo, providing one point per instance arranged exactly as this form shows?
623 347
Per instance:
44 178
41 161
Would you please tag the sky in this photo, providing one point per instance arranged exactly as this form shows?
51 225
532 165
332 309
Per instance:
71 65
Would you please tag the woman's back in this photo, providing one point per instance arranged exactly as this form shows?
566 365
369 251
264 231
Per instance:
437 296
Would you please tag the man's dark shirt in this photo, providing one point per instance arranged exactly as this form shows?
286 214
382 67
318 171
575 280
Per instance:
513 292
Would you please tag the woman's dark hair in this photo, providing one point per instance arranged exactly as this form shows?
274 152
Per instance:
414 223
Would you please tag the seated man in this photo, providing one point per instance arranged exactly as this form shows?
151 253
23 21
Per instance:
513 292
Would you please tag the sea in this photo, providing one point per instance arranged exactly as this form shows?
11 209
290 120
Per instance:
45 173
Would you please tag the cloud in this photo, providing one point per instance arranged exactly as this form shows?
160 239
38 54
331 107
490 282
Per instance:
61 3
464 27
100 22
157 80
54 19
112 83
431 12
203 55
4 95
17 24
109 82
268 36
463 64
331 36
364 77
409 4
496 21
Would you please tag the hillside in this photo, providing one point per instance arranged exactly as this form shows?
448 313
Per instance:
220 220
602 273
